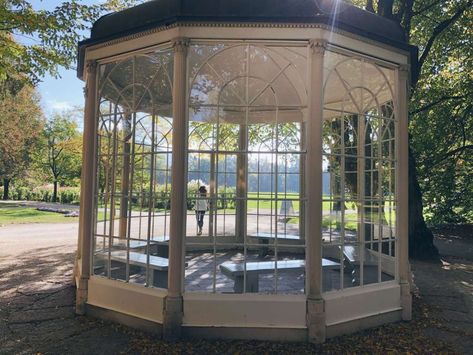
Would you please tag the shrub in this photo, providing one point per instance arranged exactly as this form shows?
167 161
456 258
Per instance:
65 194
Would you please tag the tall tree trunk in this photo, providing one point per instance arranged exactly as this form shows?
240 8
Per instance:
6 188
55 191
421 239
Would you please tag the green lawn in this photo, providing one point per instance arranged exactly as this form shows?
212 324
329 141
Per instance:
14 214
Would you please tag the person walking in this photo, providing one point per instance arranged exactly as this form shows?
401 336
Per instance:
201 205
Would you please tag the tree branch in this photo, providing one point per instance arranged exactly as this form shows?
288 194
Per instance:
455 151
402 9
464 146
432 104
369 6
385 8
10 28
438 30
58 153
427 7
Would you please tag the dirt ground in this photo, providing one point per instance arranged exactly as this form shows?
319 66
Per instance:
37 297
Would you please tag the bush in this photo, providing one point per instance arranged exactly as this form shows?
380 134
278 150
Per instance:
69 195
65 194
226 197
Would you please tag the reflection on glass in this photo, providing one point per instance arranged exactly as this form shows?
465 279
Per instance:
358 166
134 145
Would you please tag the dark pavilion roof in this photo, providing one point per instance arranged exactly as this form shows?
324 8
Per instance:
156 13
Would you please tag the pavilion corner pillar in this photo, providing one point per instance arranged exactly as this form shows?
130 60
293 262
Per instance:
313 188
173 308
402 190
83 259
242 184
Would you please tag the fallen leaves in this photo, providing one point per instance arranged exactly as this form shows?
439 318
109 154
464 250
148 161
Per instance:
402 337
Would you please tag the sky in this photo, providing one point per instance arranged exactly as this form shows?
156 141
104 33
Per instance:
66 92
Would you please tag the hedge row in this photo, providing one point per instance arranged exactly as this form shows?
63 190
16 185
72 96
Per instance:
225 196
65 195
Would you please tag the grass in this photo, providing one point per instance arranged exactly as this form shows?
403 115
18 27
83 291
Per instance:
18 214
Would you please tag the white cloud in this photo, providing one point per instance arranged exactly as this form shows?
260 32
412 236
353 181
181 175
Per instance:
55 105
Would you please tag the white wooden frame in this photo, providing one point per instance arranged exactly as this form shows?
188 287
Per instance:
317 319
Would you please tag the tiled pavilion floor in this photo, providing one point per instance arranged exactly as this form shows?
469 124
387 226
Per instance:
202 273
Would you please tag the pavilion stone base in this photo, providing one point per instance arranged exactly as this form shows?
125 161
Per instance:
246 333
125 319
363 323
255 317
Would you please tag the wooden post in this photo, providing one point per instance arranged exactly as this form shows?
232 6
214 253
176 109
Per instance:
173 305
302 177
86 218
241 186
125 181
313 188
213 194
402 191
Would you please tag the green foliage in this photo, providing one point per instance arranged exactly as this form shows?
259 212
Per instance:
226 197
441 125
35 42
21 122
60 153
441 119
70 195
442 138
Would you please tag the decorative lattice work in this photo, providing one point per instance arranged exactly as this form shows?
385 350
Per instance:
134 143
358 162
247 107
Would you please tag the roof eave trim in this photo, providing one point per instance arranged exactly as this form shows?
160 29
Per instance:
233 22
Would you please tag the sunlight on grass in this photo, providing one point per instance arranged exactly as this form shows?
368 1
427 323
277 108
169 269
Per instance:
14 214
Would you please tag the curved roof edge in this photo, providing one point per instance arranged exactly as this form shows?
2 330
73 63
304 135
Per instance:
156 13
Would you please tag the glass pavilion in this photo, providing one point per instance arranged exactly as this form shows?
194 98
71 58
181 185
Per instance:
293 115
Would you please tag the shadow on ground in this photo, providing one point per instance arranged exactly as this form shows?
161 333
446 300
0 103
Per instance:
37 315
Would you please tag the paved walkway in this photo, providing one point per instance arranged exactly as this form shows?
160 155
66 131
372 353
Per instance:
448 287
37 297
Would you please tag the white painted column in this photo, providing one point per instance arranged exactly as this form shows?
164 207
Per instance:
125 198
86 218
174 304
402 190
302 177
313 188
241 185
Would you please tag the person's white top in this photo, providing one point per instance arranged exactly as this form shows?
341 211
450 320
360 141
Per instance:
201 204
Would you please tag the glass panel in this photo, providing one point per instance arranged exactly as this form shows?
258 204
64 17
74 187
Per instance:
334 269
101 265
282 271
359 146
247 105
133 175
201 262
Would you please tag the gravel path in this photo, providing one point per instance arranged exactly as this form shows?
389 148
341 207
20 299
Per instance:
37 297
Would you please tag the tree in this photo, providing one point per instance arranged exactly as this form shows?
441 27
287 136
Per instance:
21 120
442 126
61 153
440 28
35 42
